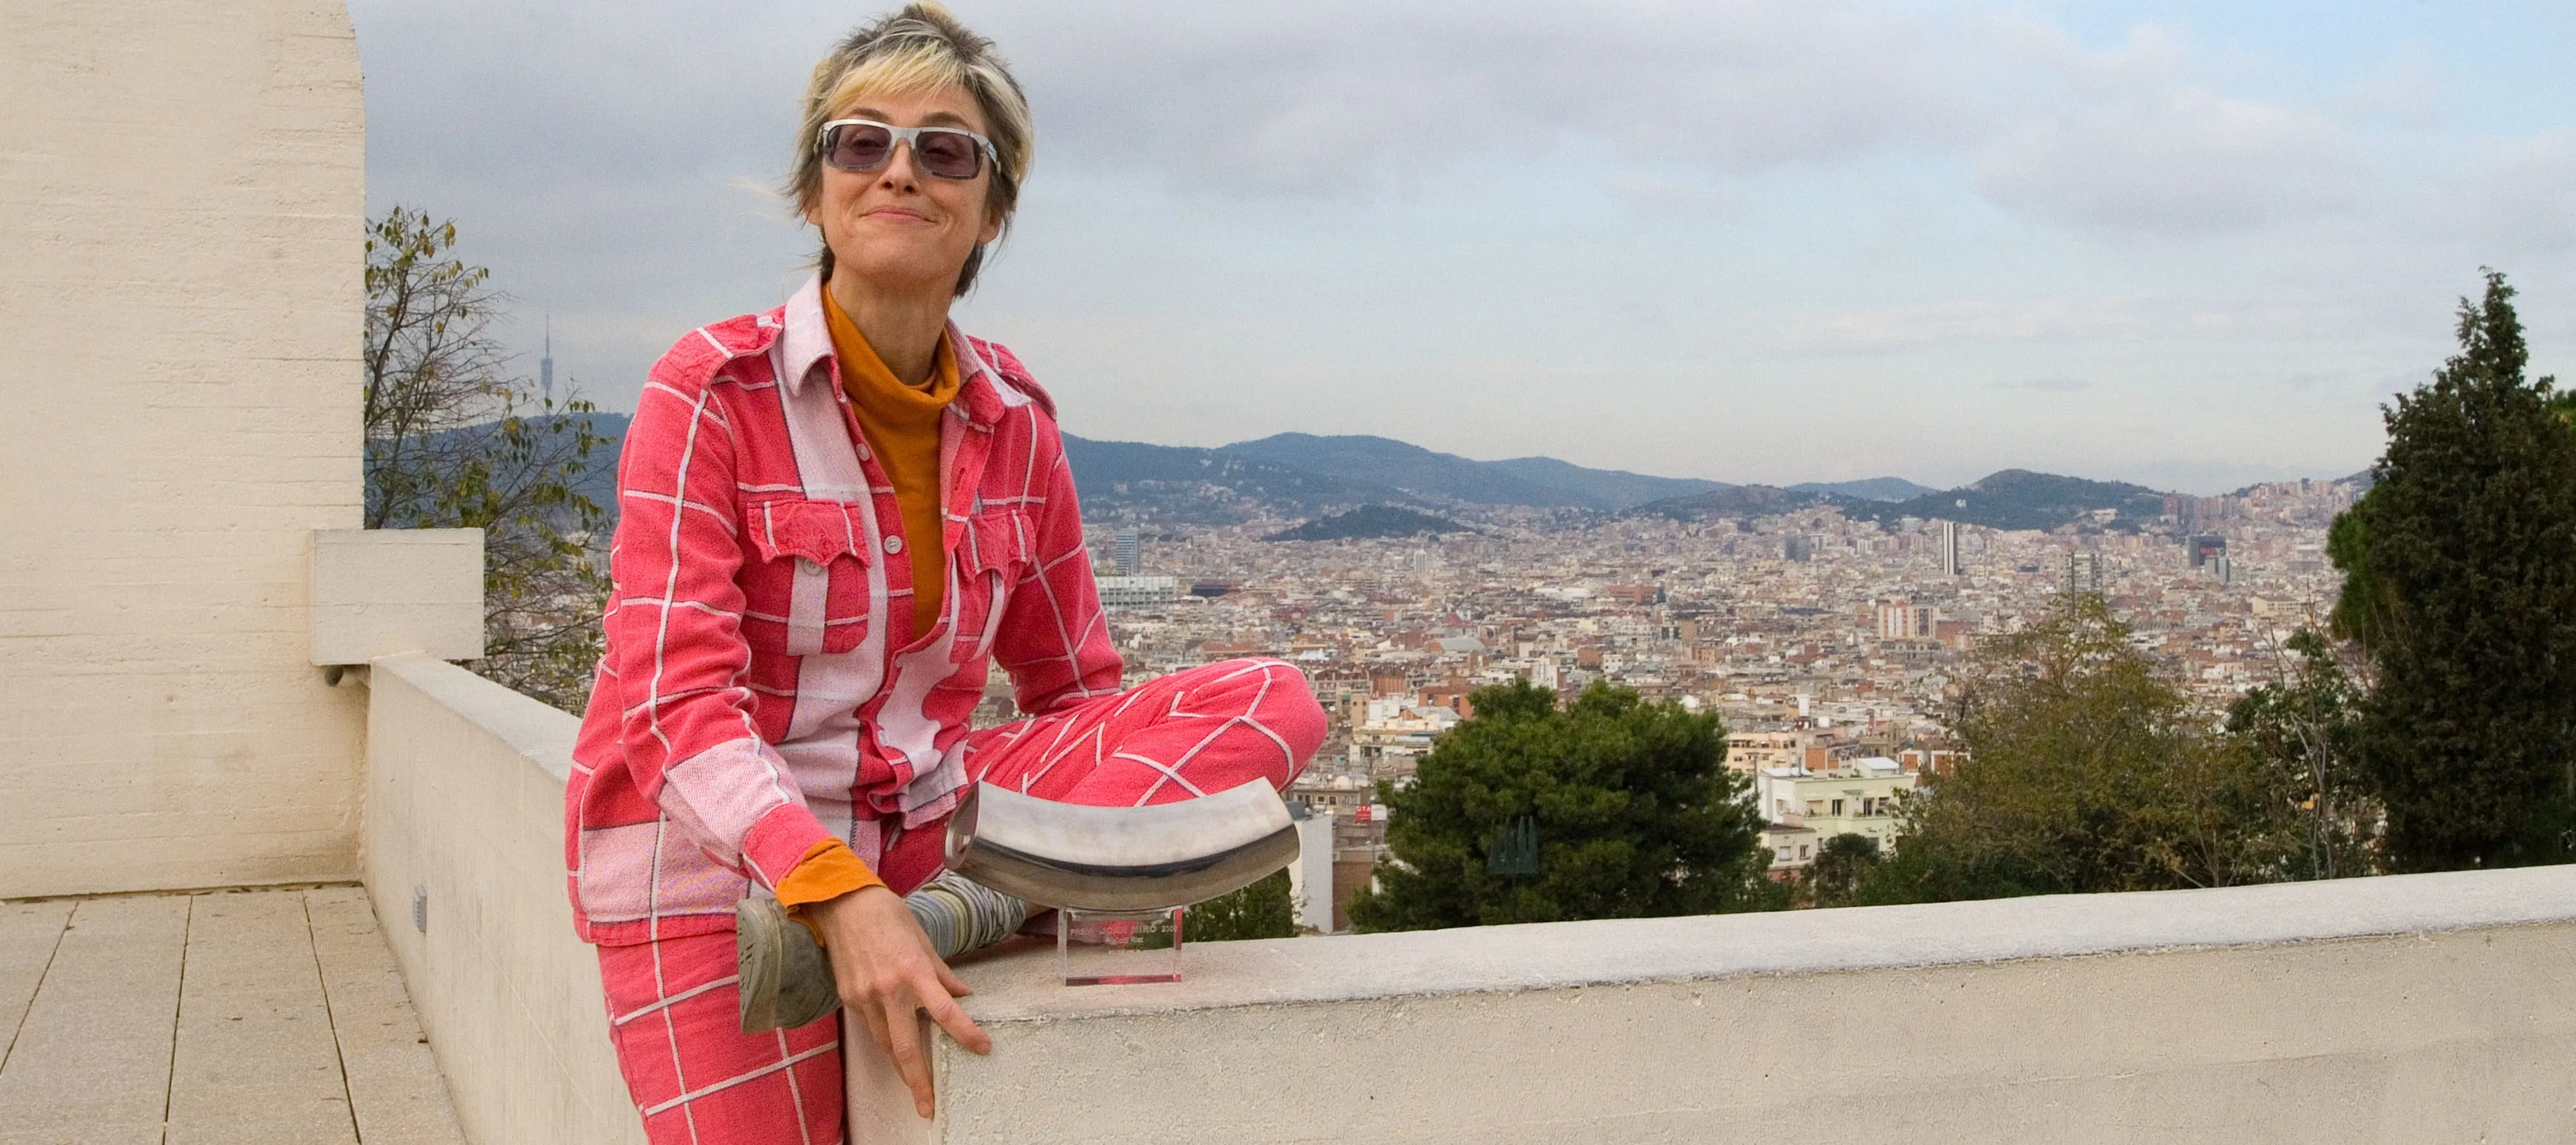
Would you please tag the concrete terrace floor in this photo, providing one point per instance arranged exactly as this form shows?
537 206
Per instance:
262 1016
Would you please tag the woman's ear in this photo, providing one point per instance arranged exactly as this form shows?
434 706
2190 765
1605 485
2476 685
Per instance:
992 227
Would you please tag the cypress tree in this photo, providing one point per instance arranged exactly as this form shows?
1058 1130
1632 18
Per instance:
2465 554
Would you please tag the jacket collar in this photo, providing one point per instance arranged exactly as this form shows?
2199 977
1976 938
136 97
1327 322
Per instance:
805 342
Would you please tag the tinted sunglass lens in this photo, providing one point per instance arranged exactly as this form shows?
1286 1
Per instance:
859 147
948 154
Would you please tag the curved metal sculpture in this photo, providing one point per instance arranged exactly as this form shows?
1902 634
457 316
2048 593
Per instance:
1120 858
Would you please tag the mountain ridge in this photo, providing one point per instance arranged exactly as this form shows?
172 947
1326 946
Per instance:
1312 477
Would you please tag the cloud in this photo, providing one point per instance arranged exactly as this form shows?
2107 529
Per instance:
2073 320
2514 195
1337 99
1333 98
1909 328
2133 138
2178 159
1661 196
2047 385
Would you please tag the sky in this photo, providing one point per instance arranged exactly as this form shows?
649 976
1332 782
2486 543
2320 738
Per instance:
2191 245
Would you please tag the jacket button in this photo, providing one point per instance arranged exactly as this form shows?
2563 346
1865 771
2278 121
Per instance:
894 544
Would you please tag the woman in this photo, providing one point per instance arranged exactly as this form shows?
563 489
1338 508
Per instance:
834 515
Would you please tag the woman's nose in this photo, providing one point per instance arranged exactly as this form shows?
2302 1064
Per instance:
898 168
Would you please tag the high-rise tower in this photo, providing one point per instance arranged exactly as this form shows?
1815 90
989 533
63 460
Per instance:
2083 572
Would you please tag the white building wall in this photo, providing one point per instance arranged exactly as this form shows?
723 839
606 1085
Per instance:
182 206
1310 878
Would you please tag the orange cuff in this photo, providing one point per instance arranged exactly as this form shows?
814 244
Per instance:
829 870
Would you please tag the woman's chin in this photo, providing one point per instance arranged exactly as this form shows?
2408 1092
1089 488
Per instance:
902 275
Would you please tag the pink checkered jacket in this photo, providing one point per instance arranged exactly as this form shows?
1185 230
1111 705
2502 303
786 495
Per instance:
758 693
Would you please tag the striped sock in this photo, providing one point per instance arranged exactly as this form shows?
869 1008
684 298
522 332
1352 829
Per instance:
961 916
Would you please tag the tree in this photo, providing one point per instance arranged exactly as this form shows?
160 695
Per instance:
1262 910
2087 769
2361 610
2305 730
2464 556
1633 812
1842 864
454 440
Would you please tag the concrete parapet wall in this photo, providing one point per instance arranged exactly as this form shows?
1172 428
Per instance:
2405 1009
182 250
2410 1009
465 782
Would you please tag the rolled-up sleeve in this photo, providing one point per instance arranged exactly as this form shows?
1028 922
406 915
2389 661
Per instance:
677 646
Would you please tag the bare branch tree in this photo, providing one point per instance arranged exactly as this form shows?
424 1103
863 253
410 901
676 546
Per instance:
455 440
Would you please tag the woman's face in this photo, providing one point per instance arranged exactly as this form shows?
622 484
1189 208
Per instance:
899 228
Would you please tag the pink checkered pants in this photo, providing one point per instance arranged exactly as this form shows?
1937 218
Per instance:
698 1079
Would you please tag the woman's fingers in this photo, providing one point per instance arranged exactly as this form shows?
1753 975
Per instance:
952 1018
890 976
903 1027
873 1016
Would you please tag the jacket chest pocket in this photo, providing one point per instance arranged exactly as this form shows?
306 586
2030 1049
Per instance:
991 558
810 590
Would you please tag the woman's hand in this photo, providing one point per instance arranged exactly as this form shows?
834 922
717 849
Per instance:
887 973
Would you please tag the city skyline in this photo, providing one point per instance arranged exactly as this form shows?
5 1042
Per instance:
2181 245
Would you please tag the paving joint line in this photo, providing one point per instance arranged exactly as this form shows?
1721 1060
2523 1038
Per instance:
6 1052
172 892
178 1005
322 981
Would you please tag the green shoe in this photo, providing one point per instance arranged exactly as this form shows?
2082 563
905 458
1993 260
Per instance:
786 979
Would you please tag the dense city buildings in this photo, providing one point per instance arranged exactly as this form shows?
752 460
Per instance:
1826 642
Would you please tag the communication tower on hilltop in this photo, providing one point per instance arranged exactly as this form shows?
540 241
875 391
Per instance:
546 364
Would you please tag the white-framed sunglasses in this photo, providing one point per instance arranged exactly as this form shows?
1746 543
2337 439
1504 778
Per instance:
867 145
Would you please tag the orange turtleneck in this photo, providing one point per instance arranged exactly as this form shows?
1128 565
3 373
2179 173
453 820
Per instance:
902 425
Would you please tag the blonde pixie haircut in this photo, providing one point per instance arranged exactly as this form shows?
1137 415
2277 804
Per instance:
919 49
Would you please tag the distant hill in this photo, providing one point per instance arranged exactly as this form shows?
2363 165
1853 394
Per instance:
1603 488
2011 499
1202 486
2021 499
1383 461
599 481
1867 489
1369 521
1736 501
2358 482
1542 482
1302 473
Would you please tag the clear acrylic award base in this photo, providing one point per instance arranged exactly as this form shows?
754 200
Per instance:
1112 948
